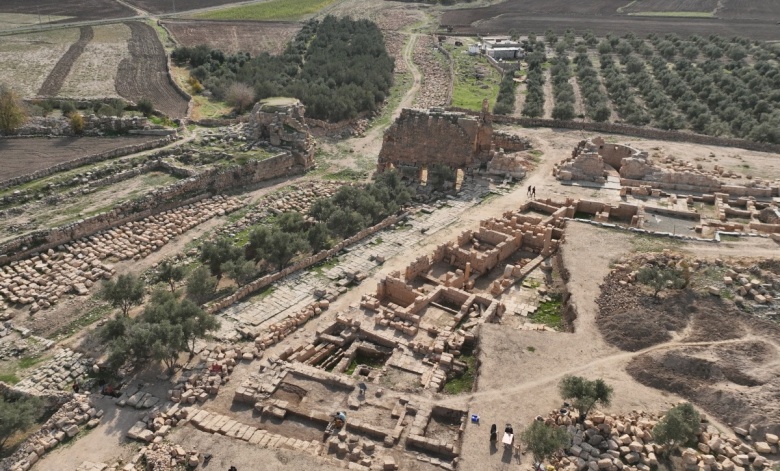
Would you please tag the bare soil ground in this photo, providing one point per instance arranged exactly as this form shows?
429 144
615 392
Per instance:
24 156
671 6
29 58
736 382
144 75
79 9
754 9
51 86
105 442
234 36
549 97
602 17
93 74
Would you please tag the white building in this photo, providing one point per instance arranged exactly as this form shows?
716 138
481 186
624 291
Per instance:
501 47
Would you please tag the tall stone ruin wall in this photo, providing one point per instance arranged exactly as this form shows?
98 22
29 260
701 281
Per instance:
283 125
421 138
213 181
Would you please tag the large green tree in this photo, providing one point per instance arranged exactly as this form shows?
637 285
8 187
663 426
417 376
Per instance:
166 328
681 425
17 415
127 291
543 441
214 254
283 246
201 286
170 274
585 393
12 113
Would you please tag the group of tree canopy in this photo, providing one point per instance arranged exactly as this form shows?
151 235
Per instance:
337 67
714 85
275 242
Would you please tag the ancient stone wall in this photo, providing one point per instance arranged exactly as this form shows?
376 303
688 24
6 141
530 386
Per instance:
283 125
86 160
93 126
510 142
213 181
420 138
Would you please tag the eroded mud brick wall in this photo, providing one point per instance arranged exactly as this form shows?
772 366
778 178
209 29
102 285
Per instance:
421 138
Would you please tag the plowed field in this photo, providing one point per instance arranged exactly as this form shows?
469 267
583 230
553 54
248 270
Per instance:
23 156
77 10
53 83
602 17
27 59
754 9
669 6
235 36
144 74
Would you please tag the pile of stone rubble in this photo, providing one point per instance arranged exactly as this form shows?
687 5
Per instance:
41 280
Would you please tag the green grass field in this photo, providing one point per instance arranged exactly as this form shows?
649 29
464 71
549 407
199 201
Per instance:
468 91
271 10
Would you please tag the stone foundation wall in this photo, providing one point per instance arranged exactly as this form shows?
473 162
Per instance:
510 142
87 160
93 126
213 181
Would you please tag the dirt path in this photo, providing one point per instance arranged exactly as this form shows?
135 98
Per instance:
549 99
104 443
520 93
579 106
137 10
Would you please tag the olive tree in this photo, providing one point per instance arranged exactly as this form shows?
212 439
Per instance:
679 426
543 440
12 114
659 278
585 393
127 291
17 415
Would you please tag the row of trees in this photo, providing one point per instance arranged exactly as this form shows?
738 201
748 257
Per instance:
534 99
336 67
275 243
563 92
596 104
712 96
657 102
620 92
505 101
